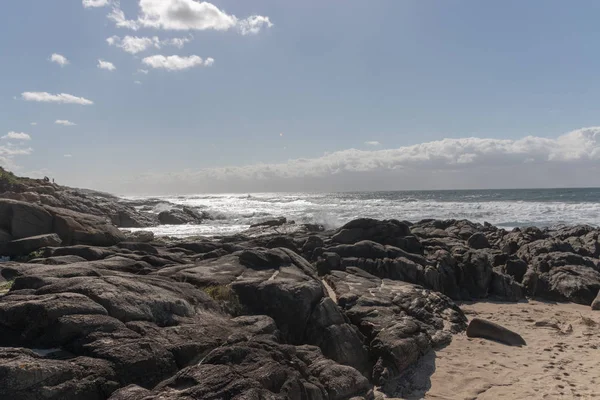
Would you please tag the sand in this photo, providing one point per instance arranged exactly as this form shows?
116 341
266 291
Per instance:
560 361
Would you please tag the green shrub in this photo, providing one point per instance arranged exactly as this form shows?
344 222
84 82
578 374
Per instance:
225 296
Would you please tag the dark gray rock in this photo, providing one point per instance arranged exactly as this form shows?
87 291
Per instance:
77 228
481 328
596 302
478 241
25 375
400 321
22 247
388 232
505 287
22 220
180 216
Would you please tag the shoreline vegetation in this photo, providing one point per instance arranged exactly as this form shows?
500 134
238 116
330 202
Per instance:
373 309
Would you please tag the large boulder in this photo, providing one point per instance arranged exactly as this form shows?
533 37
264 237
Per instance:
400 321
390 232
179 217
478 241
575 283
22 219
26 375
22 247
259 369
77 228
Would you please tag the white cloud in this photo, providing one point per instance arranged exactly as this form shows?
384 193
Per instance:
64 122
209 61
46 97
16 136
175 63
143 71
106 65
253 25
137 82
186 15
134 44
95 3
177 42
67 156
33 124
59 59
9 152
372 143
572 159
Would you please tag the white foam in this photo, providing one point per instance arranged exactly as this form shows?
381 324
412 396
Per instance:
234 213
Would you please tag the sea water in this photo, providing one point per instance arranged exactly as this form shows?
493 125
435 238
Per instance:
507 208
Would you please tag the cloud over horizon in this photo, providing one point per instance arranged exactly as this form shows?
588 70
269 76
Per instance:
573 158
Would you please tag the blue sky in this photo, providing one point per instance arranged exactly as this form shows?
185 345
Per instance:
347 87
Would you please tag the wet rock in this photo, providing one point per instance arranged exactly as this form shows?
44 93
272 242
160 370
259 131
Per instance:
270 223
179 217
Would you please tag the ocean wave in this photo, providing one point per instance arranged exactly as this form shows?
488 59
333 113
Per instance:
507 209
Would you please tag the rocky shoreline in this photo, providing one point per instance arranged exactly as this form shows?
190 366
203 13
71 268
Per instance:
280 311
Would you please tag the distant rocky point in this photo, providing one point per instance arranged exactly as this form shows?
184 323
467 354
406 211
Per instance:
281 311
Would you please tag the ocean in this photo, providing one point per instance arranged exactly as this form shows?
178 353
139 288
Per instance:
506 208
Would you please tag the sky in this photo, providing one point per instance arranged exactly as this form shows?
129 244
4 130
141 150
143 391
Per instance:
183 96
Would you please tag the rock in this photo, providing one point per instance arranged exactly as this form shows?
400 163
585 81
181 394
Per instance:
139 236
488 330
262 369
505 287
23 219
388 232
25 375
5 237
90 253
179 217
478 241
475 273
574 283
400 321
139 247
516 268
77 228
271 222
596 302
340 341
22 247
58 260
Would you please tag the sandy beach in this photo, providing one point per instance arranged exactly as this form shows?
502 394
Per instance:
560 361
